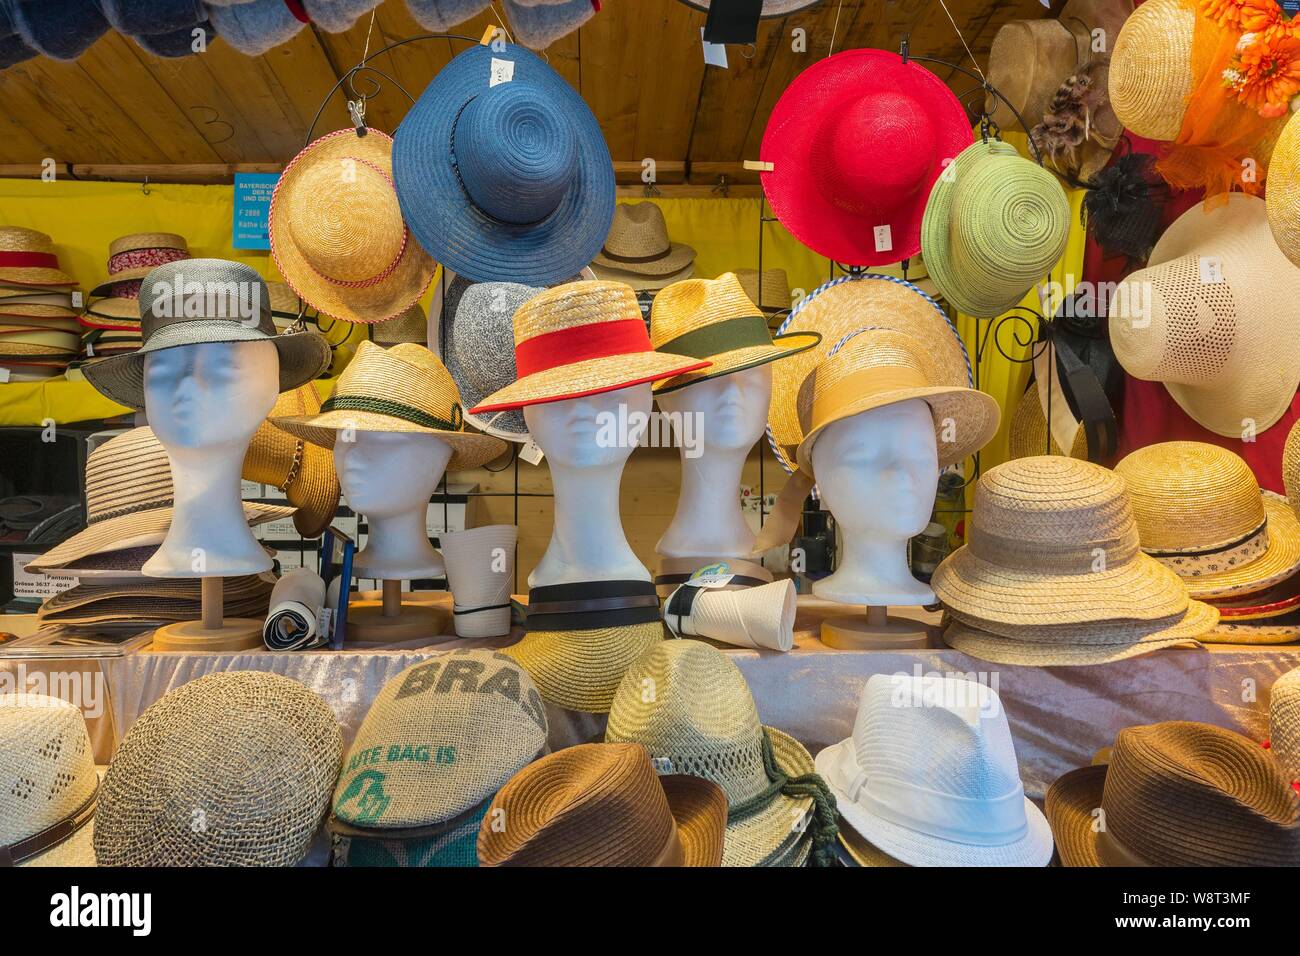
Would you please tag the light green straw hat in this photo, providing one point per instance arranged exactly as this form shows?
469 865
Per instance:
995 224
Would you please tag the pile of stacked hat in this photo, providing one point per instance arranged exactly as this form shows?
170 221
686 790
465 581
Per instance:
38 307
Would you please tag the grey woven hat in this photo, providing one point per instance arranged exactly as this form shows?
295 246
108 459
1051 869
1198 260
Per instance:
481 349
198 301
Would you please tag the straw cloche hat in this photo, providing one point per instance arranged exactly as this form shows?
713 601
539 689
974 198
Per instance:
303 471
638 243
136 255
27 258
1284 723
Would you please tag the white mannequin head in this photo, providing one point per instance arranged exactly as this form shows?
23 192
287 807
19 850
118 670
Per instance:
731 410
584 432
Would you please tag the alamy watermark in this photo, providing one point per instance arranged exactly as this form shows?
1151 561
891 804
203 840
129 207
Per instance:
179 298
628 429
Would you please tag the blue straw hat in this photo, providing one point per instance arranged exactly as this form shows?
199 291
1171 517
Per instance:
253 28
149 17
441 15
507 182
176 44
59 29
539 25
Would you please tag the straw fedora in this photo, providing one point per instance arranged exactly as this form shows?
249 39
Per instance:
638 243
994 225
129 501
509 181
603 805
303 471
701 720
337 233
1027 434
195 301
1210 317
27 258
761 616
480 333
639 281
964 804
1177 794
1200 512
856 141
480 573
582 338
771 294
1284 723
136 255
253 734
713 319
439 740
48 784
402 389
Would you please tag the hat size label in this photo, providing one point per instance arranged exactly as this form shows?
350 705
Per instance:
884 238
1211 269
503 71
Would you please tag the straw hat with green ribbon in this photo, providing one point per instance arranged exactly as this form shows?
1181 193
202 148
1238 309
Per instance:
402 389
995 224
701 720
714 319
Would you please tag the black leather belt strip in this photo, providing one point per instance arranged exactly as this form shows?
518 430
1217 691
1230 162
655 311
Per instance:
51 836
588 605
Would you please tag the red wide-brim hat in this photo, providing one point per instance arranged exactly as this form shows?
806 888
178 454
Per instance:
856 142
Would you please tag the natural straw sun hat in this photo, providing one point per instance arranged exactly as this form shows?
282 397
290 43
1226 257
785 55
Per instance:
411 326
337 233
402 389
1177 794
1151 68
1200 512
134 256
1291 467
714 319
638 242
27 258
303 471
255 754
1284 723
1282 199
1027 434
771 293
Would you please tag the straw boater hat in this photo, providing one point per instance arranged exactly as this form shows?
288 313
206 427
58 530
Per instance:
582 338
440 739
1177 794
402 389
638 243
1200 512
48 784
112 312
963 804
1284 723
1223 349
701 720
27 258
994 225
129 501
771 294
337 233
713 319
603 805
252 734
135 256
303 471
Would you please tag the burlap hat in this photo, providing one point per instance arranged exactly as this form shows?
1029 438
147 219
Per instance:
771 294
27 258
439 740
603 805
129 500
701 720
402 389
256 754
1200 512
1284 723
1177 794
638 243
136 255
303 471
48 784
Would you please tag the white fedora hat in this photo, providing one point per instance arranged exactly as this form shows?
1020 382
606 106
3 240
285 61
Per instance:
480 572
930 776
761 616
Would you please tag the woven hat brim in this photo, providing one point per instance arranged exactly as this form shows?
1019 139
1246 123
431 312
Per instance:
581 670
315 492
36 277
678 258
1199 619
34 311
1069 807
126 275
1279 562
1027 433
1004 650
738 360
591 377
914 848
700 808
469 450
642 283
303 356
861 852
763 836
1266 631
26 324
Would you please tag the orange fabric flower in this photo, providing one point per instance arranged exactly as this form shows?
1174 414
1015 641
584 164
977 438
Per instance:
1270 71
1257 15
1226 13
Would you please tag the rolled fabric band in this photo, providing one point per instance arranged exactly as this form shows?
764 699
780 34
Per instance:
590 605
386 406
742 332
1194 564
993 821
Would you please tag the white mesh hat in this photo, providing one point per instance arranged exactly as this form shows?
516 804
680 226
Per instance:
930 776
480 572
1212 317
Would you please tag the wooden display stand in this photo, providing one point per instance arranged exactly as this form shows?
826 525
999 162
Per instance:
388 620
213 631
876 631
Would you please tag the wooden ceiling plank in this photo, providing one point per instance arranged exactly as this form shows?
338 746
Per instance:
610 83
672 72
345 50
300 76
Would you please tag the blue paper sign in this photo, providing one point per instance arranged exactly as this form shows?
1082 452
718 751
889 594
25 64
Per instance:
252 210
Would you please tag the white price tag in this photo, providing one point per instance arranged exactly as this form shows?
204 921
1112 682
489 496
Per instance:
76 299
4 375
715 54
884 238
1211 269
532 453
503 71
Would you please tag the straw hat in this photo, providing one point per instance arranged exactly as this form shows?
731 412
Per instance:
770 295
129 501
872 368
337 233
1151 69
135 256
402 389
1200 512
48 784
112 312
761 616
1223 349
27 258
1282 198
257 754
1027 435
1284 723
640 282
480 573
39 342
303 471
582 338
701 720
1177 794
141 605
638 243
1081 646
713 319
480 331
411 326
439 740
994 225
1291 467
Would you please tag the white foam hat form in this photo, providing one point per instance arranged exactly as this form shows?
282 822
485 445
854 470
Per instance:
761 616
480 572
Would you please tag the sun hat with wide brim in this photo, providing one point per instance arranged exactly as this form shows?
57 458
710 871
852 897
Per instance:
856 142
134 256
1282 198
996 649
582 338
27 258
303 471
994 225
1197 621
1151 74
337 233
638 243
504 181
714 319
204 286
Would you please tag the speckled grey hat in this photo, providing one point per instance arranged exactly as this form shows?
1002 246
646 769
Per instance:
481 348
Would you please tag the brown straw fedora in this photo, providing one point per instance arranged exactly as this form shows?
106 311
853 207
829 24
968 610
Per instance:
714 319
1284 723
1177 794
129 501
135 256
603 805
638 243
27 258
402 389
303 471
337 232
